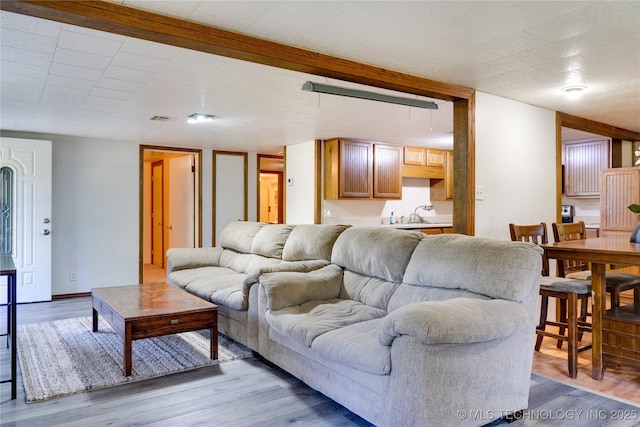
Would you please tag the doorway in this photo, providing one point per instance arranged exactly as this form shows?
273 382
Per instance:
271 189
25 216
170 200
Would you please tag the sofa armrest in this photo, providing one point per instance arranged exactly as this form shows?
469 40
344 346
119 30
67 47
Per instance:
454 321
183 258
286 289
253 276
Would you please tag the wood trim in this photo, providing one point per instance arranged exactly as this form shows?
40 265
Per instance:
559 169
317 179
75 295
143 148
128 21
573 122
464 166
214 153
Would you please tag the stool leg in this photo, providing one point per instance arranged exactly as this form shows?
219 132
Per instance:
584 309
544 304
563 319
615 297
572 332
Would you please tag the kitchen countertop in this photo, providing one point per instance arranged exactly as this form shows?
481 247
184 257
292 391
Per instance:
419 226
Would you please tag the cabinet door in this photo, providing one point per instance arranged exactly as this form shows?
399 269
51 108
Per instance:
436 157
356 169
583 162
387 171
442 189
415 156
620 188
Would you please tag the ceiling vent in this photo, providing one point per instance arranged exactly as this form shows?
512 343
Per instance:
161 118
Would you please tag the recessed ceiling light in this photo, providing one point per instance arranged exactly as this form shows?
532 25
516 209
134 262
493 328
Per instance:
199 118
574 91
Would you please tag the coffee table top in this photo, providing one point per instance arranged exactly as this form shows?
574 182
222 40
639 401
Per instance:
149 300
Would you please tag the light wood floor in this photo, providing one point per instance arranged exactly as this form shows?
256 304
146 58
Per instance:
622 383
250 393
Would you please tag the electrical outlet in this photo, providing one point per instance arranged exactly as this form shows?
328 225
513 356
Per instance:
73 276
479 192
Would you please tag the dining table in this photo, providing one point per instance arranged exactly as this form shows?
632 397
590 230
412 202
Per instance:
615 331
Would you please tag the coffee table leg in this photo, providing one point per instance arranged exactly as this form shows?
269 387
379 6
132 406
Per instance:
127 349
214 342
95 320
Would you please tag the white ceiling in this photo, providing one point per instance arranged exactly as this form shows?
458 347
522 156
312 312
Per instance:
61 79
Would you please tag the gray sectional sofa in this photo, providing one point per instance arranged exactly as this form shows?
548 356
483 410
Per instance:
402 328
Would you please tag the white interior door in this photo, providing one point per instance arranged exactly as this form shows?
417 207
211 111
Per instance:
30 216
182 202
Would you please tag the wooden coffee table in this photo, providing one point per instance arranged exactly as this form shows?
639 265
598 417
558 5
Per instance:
145 311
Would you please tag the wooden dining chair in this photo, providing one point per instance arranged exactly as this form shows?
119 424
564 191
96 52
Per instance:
576 269
570 323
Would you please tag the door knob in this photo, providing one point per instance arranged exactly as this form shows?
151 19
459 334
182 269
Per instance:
46 232
46 221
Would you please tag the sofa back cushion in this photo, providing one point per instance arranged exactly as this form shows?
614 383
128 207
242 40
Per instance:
497 269
311 241
239 235
269 241
375 251
245 263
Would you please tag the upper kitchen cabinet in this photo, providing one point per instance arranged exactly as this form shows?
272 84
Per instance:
620 188
583 161
442 189
422 162
356 169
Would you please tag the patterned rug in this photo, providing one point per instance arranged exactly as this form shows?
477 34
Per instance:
65 357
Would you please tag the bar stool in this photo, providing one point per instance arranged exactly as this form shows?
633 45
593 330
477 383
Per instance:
580 270
568 291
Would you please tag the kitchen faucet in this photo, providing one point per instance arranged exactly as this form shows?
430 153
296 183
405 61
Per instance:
414 218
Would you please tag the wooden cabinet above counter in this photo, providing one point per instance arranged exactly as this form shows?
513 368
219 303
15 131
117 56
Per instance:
355 169
422 162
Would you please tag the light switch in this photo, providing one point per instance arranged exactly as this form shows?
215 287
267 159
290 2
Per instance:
290 182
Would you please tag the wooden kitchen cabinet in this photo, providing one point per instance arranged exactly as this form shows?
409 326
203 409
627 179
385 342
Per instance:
583 162
357 169
387 177
423 162
620 188
442 189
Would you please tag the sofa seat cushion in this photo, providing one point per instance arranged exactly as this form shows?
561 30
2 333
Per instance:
182 278
303 323
231 297
206 286
356 346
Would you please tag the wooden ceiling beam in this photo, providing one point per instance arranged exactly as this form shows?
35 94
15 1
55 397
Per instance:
127 21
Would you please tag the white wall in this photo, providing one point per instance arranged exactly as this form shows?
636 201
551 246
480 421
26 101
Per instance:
95 210
515 162
300 200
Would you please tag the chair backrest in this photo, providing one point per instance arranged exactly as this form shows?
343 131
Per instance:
534 233
570 231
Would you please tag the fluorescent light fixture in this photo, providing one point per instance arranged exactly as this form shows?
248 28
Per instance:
574 92
199 118
371 96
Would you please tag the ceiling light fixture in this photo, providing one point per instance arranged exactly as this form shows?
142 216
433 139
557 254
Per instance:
371 96
199 118
573 92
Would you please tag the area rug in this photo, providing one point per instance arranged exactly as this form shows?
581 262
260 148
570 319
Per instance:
65 357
